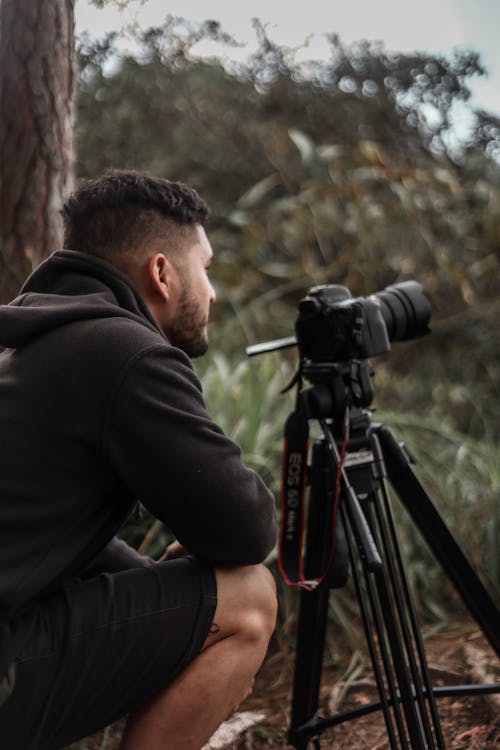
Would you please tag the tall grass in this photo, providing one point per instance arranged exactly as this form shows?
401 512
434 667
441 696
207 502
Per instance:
244 399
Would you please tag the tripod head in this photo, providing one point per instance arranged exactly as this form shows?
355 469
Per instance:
335 388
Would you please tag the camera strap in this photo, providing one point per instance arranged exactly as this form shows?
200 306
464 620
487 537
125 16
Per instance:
293 483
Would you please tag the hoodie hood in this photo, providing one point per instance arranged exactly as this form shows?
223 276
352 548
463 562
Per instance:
67 287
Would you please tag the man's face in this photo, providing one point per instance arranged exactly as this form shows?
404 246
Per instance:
188 326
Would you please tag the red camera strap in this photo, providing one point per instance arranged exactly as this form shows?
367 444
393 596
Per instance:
293 483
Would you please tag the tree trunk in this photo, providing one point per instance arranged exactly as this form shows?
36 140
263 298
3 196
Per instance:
37 102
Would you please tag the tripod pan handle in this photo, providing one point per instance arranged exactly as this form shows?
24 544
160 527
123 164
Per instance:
368 548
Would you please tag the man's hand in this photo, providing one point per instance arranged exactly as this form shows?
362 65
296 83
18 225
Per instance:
174 550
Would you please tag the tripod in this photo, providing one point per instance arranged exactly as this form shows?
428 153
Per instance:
367 545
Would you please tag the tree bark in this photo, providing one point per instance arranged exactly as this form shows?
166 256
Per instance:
37 105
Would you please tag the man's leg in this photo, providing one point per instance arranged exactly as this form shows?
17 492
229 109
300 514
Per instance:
189 710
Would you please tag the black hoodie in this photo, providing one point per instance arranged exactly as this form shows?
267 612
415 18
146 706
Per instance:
97 411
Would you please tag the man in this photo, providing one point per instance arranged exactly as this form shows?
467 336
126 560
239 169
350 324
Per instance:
99 408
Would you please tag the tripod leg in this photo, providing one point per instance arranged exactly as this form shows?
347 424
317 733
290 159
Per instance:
405 605
377 604
385 616
439 537
403 635
371 618
308 664
313 611
388 613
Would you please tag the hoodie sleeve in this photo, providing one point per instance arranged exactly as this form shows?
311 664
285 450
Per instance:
115 557
171 455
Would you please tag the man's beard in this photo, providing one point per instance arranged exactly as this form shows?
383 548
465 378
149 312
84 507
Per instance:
188 331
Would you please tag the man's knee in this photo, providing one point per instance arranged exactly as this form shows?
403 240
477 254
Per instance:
246 601
261 593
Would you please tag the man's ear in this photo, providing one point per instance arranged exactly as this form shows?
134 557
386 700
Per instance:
162 277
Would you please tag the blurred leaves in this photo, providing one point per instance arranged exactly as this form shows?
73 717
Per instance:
344 171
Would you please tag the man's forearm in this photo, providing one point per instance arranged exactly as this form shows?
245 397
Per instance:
114 557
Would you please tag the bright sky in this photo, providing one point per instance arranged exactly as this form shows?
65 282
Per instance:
427 25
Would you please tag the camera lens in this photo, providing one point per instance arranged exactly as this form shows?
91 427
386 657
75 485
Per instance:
405 310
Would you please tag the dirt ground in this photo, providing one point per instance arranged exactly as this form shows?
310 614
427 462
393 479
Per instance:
468 723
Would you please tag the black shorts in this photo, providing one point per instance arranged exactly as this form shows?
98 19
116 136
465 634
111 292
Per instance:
101 647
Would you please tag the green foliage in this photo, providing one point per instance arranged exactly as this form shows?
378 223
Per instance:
212 122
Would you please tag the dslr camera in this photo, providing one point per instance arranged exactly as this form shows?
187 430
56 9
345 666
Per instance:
332 326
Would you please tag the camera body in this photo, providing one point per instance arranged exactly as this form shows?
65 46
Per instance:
332 326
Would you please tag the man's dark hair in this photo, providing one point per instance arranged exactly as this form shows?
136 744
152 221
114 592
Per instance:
119 214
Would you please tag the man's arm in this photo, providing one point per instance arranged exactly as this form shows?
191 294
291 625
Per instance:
168 452
114 557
